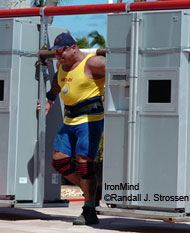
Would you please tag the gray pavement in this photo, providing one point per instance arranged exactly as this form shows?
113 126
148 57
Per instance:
59 220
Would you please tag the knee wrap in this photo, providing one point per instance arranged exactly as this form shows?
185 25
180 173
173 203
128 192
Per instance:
64 166
86 170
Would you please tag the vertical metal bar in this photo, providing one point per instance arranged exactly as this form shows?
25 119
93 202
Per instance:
134 164
134 53
130 120
40 160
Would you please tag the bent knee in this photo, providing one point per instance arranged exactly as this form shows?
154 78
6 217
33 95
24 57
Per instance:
83 159
64 166
59 155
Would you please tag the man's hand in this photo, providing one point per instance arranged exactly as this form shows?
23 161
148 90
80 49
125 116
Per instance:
49 103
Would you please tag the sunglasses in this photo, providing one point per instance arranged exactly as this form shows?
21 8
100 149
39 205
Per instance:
60 51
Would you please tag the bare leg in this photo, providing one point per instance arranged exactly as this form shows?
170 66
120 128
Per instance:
73 177
88 216
88 186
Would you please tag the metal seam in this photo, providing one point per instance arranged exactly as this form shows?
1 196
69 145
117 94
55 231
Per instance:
42 11
127 7
20 53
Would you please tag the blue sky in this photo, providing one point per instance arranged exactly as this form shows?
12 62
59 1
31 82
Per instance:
82 25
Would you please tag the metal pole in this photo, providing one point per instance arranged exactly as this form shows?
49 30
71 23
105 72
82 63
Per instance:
159 5
40 160
135 159
132 161
86 9
24 12
130 119
65 10
97 8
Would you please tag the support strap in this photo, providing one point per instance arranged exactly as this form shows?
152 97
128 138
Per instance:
86 170
64 166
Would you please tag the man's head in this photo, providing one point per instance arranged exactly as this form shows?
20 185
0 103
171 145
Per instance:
63 40
65 48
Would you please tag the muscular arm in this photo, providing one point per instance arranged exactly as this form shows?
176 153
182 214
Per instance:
55 88
51 94
95 67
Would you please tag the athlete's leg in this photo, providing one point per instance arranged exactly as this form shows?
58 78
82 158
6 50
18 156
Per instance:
89 135
64 149
85 168
63 164
88 183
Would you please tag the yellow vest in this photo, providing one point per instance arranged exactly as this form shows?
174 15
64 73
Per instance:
76 87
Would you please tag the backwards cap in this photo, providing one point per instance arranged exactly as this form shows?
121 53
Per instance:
63 40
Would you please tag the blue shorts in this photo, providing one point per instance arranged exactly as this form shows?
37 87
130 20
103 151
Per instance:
82 139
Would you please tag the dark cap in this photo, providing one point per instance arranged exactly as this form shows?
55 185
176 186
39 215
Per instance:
63 40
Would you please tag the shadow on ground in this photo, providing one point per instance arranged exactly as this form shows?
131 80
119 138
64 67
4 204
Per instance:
142 226
107 223
14 214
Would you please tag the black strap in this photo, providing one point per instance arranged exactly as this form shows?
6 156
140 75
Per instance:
87 107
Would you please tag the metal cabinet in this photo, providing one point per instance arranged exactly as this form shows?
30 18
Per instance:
19 167
146 155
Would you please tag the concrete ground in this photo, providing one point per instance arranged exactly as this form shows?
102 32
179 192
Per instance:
59 220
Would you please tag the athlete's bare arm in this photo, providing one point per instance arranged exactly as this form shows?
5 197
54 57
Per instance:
95 67
55 90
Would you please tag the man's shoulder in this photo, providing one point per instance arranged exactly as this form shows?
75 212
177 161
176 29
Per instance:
95 67
96 61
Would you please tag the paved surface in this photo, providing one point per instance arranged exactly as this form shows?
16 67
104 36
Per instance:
59 220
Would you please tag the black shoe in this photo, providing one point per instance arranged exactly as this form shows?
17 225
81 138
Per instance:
88 217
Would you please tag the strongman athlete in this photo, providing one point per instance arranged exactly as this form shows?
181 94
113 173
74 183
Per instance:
80 81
